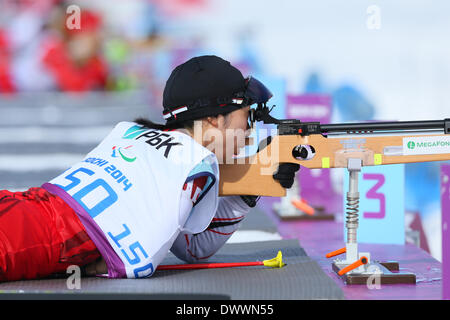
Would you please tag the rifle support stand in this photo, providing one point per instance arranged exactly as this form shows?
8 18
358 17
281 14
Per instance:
357 267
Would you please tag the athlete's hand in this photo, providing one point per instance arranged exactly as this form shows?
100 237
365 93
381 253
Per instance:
285 172
95 268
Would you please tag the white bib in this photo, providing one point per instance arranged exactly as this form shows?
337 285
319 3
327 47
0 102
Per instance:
127 194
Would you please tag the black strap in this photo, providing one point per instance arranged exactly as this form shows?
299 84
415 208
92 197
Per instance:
216 224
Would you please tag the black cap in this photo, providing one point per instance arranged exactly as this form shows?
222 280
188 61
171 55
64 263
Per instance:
205 85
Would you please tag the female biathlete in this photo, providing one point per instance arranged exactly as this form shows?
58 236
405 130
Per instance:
144 190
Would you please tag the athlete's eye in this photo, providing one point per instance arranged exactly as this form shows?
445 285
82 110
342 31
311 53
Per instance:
250 119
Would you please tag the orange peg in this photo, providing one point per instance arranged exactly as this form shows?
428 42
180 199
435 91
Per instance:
336 253
303 206
352 266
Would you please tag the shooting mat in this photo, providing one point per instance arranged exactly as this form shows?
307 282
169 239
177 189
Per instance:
257 219
301 278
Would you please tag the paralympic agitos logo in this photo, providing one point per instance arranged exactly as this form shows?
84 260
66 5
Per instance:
124 153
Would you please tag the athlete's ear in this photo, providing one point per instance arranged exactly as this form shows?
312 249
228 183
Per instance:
213 121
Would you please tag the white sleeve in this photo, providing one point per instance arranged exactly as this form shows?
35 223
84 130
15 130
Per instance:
198 247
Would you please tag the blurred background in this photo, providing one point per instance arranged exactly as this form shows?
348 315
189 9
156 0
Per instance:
70 70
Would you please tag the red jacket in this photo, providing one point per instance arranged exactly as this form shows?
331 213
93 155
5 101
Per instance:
68 76
40 235
6 83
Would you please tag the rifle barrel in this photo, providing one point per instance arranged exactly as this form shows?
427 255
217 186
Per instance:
386 126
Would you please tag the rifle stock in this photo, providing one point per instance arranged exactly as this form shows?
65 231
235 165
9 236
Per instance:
253 175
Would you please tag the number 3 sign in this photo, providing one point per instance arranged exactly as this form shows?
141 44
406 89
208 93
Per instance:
382 204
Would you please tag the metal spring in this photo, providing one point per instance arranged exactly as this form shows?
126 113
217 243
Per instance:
352 211
352 219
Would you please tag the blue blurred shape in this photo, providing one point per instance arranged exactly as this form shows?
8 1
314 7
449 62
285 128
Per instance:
421 186
352 105
313 84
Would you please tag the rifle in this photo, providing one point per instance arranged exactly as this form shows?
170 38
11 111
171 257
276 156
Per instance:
317 146
348 145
